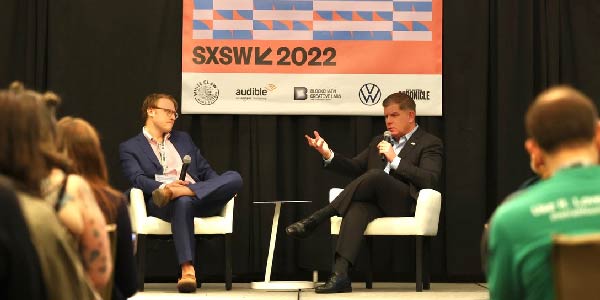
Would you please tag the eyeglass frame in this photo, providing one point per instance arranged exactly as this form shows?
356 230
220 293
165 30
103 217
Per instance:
170 112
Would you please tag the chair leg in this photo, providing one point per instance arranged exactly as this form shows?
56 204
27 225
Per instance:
196 263
228 268
426 262
369 267
141 260
419 262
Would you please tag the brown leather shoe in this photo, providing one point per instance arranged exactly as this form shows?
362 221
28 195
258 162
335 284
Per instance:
161 197
187 284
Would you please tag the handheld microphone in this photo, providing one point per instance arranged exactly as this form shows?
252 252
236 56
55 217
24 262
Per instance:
387 136
186 164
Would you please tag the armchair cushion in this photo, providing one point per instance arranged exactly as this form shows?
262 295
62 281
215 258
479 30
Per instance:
143 224
425 221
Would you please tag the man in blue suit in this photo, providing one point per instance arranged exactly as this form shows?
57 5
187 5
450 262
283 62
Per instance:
152 161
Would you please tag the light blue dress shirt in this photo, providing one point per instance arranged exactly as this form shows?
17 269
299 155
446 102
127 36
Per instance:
397 145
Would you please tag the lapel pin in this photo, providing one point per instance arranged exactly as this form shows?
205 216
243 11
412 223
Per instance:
413 143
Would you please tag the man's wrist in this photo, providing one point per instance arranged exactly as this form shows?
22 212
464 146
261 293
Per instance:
395 163
328 160
329 155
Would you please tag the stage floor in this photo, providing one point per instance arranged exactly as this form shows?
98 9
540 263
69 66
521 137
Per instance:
382 290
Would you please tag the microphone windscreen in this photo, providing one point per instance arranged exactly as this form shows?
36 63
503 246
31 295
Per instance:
187 159
387 136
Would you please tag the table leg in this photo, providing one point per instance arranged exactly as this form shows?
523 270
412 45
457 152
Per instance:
278 285
272 241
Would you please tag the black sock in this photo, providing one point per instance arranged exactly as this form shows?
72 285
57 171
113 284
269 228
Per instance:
341 265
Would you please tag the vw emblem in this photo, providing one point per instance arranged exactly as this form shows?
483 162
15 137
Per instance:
369 94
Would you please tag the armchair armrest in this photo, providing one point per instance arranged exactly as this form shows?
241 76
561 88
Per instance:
137 209
427 213
227 212
334 192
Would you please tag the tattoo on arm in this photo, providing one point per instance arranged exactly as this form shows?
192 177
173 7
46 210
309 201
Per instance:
94 255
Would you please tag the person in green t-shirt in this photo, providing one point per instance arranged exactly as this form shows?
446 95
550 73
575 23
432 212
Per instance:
563 136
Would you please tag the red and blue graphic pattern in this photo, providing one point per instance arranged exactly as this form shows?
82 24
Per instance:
385 20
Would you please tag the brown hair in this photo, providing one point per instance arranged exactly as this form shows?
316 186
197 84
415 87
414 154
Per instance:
50 102
26 155
404 101
561 116
81 143
150 102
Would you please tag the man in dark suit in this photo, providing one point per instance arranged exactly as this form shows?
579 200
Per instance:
388 175
152 161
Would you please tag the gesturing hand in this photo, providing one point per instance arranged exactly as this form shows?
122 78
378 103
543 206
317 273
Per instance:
319 144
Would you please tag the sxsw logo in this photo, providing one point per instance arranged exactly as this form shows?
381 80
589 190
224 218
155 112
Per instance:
369 94
300 93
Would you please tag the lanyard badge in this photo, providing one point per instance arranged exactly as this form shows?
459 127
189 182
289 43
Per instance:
162 153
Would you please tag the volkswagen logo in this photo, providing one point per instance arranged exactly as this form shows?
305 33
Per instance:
369 94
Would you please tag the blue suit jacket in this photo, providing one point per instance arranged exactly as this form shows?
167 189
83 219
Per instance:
140 164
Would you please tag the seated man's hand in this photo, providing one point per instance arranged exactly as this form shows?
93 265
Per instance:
179 188
319 144
177 183
386 149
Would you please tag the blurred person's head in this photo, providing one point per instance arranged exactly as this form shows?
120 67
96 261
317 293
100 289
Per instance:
159 112
26 152
49 102
80 141
562 126
399 110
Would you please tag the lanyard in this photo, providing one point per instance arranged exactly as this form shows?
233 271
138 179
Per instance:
162 154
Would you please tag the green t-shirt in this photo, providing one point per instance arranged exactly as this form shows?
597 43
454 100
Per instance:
521 230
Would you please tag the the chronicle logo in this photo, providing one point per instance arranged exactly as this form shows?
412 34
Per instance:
206 92
369 94
300 93
418 94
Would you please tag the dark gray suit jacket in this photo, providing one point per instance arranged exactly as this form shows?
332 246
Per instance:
420 165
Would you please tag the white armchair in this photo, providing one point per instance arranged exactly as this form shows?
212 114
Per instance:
146 226
423 225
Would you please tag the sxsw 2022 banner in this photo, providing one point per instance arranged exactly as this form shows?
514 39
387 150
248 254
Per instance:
317 57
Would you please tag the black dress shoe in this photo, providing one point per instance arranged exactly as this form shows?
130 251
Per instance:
301 229
336 284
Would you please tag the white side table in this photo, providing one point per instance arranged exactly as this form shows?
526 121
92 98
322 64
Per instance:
279 285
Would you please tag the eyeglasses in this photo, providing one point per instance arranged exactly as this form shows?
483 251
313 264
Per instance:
169 112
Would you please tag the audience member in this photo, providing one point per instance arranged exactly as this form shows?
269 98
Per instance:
75 203
562 128
27 159
20 274
540 172
80 142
